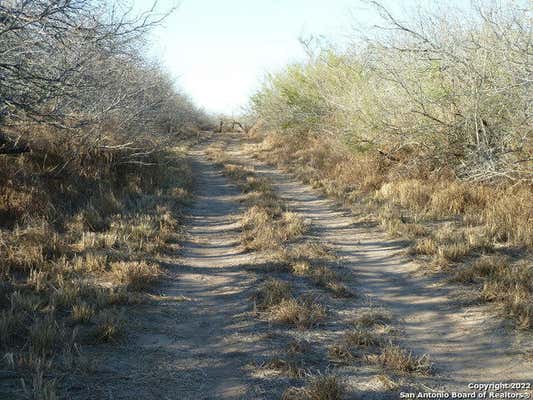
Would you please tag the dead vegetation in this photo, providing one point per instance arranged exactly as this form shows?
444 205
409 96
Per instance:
453 224
410 124
373 317
310 260
503 282
76 247
303 312
373 340
91 180
393 357
268 226
322 387
266 223
138 275
289 366
272 293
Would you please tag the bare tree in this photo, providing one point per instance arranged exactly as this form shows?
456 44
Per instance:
463 80
78 65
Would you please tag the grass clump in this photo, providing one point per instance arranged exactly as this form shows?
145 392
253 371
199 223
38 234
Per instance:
136 275
373 317
362 337
309 260
275 298
290 366
43 334
109 326
303 312
272 293
82 312
265 228
399 360
328 279
323 387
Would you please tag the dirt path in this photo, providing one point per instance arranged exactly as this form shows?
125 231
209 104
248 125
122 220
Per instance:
215 329
196 342
465 344
200 341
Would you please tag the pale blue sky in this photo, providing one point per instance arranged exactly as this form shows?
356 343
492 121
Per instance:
220 49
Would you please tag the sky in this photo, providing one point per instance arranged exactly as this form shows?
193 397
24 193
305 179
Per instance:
220 50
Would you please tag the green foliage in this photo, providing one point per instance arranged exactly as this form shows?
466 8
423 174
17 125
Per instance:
448 94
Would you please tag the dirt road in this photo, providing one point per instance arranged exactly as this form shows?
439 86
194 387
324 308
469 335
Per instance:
202 341
466 344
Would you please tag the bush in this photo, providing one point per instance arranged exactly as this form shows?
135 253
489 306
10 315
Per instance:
442 92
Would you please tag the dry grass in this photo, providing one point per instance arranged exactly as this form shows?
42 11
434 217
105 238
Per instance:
72 230
328 279
267 229
272 293
508 217
303 312
362 337
266 226
411 194
40 388
340 353
376 348
361 340
216 152
259 231
137 275
311 251
373 317
43 334
82 312
109 327
310 260
455 251
452 244
298 347
414 203
291 366
294 225
323 387
507 283
399 360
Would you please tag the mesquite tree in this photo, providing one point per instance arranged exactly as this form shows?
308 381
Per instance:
442 90
460 84
78 65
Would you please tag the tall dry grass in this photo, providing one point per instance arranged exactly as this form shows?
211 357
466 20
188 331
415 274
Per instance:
452 223
425 123
80 231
